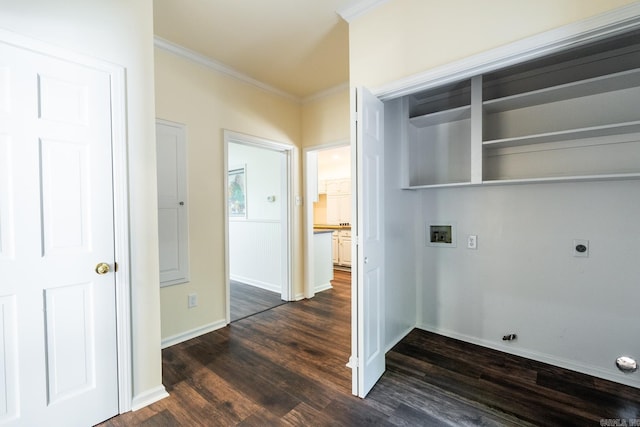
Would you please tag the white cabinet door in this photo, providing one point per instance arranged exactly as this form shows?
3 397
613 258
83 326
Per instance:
344 186
335 245
173 228
345 251
370 286
338 187
333 210
344 209
322 186
338 209
332 187
58 313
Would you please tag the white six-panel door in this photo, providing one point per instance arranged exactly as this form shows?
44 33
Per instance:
58 359
369 289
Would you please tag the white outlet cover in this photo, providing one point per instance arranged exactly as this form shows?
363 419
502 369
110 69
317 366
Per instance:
192 300
472 242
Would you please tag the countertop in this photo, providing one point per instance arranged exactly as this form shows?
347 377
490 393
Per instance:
322 230
331 227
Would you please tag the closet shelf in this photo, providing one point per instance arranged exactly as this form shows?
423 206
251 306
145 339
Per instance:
539 129
607 83
572 178
440 117
446 185
566 135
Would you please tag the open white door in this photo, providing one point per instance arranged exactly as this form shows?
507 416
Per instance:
368 277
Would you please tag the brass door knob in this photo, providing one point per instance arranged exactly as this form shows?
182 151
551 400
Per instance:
102 268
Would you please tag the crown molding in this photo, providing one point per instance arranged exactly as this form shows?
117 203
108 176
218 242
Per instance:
196 57
609 23
325 93
358 8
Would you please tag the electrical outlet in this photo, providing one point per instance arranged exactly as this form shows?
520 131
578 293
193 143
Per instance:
581 248
192 300
472 242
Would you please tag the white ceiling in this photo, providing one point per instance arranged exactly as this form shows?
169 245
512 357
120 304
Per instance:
300 47
334 163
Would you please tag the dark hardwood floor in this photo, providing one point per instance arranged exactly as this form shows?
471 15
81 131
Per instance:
286 367
247 300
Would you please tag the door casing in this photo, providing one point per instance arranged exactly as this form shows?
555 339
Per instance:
286 219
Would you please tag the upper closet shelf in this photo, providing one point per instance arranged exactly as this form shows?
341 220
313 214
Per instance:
442 185
608 83
446 116
567 135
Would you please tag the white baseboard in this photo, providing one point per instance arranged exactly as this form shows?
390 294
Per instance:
533 355
257 283
299 297
193 333
148 397
322 287
398 338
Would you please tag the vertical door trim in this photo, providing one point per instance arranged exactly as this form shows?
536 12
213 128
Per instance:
120 197
354 363
121 234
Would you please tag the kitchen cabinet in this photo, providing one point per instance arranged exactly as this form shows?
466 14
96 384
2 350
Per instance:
322 186
338 209
342 248
338 186
345 248
338 201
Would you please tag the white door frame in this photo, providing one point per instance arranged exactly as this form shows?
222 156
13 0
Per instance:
120 197
286 216
309 291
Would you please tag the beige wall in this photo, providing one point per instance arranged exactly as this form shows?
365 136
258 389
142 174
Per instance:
209 102
121 32
326 119
404 37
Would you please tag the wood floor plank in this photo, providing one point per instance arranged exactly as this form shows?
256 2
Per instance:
228 405
247 300
408 416
286 367
305 415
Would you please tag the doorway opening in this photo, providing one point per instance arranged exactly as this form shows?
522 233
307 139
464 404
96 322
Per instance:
258 216
328 192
